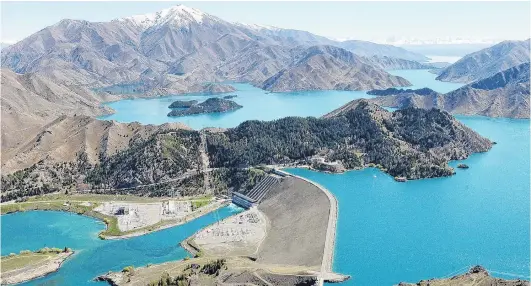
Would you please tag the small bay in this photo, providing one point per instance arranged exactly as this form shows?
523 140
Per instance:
36 229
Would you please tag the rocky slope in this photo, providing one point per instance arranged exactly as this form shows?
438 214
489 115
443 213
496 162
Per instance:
487 62
141 49
216 88
257 62
30 101
211 105
212 271
328 67
44 120
476 276
505 94
79 161
67 138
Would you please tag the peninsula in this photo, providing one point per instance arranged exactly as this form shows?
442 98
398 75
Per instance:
504 94
28 265
357 135
327 68
487 62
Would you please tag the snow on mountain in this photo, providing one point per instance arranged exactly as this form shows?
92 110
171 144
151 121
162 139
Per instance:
257 27
179 15
181 41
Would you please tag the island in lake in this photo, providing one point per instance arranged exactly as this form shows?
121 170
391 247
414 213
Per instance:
211 105
183 103
28 265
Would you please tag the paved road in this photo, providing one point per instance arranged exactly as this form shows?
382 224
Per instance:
181 177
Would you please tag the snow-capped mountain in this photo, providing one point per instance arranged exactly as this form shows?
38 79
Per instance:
179 16
257 27
179 40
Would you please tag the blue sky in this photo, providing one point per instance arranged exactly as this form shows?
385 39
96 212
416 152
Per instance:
360 20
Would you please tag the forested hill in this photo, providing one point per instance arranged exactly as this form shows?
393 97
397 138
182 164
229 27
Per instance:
413 143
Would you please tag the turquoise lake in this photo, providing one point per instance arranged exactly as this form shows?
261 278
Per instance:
257 103
387 231
36 229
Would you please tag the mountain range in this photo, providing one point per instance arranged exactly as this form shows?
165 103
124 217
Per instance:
487 62
56 77
329 67
72 67
504 94
176 47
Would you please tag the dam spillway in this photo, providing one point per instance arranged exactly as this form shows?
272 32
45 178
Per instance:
255 195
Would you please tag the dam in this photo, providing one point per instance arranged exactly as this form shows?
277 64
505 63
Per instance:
254 196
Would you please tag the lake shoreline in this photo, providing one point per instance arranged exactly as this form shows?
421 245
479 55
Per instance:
49 267
436 204
210 208
126 235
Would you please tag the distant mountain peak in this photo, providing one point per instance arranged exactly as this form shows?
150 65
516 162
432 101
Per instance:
70 22
487 62
178 15
258 27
